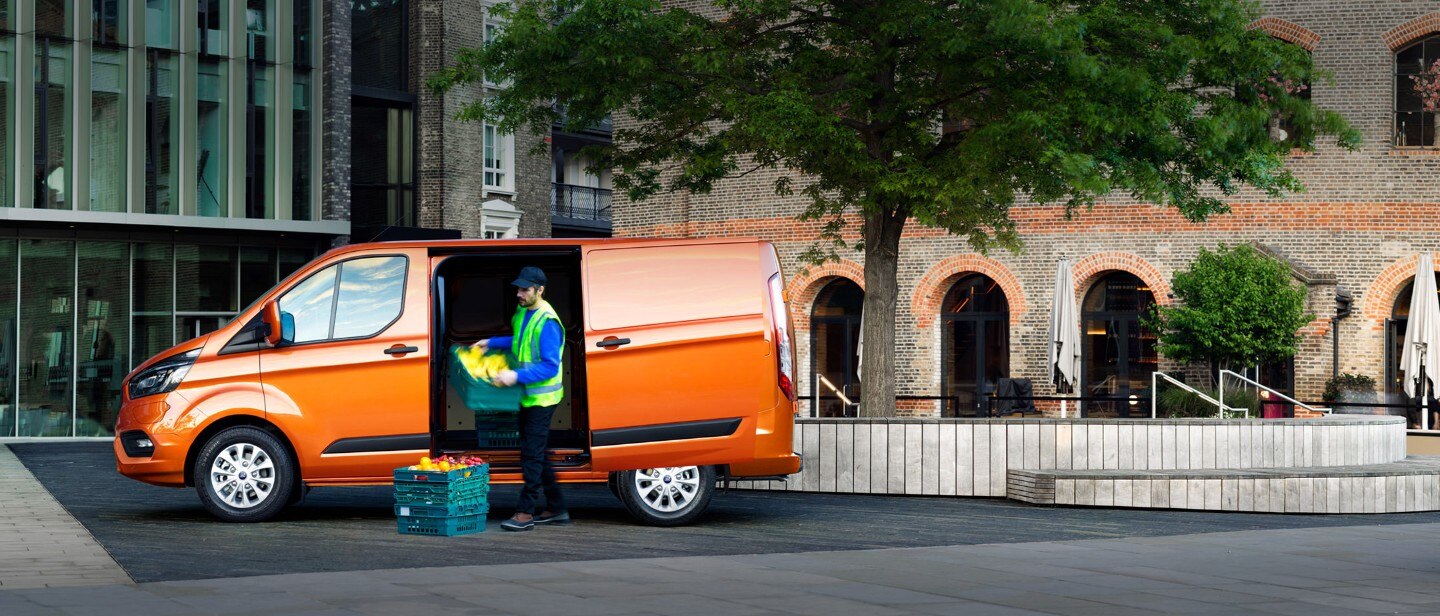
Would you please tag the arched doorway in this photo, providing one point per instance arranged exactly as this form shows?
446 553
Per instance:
835 346
975 343
1395 328
1118 354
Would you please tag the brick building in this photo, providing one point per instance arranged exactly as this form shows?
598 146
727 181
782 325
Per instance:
965 319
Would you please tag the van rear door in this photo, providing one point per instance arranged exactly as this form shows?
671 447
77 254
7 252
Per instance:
677 358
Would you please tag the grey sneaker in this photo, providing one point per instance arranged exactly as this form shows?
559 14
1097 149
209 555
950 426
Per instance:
516 525
556 518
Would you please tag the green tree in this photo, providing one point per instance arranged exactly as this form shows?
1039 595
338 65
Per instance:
1237 307
930 112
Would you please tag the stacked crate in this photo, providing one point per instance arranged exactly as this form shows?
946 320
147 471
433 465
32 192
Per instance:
444 503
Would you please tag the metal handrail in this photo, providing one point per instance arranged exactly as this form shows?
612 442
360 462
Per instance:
1155 396
1223 372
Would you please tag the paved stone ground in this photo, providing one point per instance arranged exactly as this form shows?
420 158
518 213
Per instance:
40 544
1312 572
161 534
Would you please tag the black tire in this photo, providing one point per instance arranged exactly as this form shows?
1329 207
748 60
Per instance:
614 484
228 495
666 496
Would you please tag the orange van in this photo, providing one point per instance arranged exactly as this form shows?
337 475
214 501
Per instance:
678 373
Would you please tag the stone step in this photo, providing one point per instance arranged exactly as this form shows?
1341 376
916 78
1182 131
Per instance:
1412 484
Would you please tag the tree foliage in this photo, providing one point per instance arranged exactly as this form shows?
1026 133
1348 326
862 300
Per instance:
945 113
1237 307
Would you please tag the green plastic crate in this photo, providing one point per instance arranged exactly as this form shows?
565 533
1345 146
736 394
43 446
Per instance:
497 431
440 526
473 506
480 395
438 493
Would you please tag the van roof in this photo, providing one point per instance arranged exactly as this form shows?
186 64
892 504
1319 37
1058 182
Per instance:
564 241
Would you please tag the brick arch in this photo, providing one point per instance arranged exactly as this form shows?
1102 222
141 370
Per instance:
1088 270
1287 31
931 290
1405 33
1380 297
807 284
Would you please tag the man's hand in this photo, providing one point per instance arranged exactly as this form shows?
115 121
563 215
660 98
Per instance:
506 378
482 344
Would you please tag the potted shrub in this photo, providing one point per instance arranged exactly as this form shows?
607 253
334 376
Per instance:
1346 387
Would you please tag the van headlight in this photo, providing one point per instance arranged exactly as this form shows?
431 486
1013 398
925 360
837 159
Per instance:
164 376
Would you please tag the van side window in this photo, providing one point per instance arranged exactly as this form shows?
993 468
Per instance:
369 298
311 303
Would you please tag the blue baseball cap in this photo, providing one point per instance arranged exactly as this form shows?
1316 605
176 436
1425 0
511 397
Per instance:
530 276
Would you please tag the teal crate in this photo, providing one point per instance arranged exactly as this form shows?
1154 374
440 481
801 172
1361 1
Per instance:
439 493
440 526
451 476
497 431
475 506
479 394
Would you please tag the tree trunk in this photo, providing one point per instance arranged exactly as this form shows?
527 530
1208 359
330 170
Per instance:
877 357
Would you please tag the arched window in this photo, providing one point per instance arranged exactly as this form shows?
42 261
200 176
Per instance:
1118 354
1394 348
1414 125
976 343
835 346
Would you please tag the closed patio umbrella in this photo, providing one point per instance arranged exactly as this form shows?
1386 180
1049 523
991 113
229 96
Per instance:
1064 334
1421 349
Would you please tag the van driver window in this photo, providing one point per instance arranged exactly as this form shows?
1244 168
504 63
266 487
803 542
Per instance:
311 304
370 293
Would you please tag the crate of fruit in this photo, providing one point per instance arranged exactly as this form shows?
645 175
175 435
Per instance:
445 496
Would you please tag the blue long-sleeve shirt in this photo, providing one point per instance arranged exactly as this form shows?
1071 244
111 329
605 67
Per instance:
548 364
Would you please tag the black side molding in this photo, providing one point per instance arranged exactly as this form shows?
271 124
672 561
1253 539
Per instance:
665 432
379 444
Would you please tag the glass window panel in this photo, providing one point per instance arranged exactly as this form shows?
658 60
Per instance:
212 23
53 121
1118 354
303 132
52 17
378 44
1410 59
7 106
370 296
205 278
162 134
104 283
151 335
108 20
161 23
154 278
47 304
210 138
292 259
257 273
497 158
1410 128
259 29
188 327
9 337
259 147
107 130
311 304
304 32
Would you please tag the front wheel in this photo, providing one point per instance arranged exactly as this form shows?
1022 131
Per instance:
244 474
672 496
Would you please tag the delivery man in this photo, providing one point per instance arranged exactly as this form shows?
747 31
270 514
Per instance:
537 346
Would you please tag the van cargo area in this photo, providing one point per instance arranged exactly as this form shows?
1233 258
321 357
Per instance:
478 302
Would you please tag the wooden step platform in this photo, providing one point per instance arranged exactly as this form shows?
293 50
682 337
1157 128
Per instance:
1412 484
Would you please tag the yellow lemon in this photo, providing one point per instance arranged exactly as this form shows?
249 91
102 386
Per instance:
424 460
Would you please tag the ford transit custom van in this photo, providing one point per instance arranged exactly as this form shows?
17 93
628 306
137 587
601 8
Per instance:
678 368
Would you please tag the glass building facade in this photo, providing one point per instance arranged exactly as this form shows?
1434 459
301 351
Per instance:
159 172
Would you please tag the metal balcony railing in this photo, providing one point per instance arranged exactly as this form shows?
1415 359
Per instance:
581 202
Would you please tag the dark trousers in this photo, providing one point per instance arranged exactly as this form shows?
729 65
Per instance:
534 465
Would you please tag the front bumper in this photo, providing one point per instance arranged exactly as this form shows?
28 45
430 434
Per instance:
165 464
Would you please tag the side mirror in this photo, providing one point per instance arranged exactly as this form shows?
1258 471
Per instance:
274 328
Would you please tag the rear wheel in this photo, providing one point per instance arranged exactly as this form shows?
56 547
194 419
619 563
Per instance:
244 474
671 496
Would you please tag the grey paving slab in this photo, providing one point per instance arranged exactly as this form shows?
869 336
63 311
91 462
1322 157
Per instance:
57 550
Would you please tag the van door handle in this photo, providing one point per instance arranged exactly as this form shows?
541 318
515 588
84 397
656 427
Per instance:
610 343
401 350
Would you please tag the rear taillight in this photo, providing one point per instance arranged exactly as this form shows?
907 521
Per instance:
780 316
